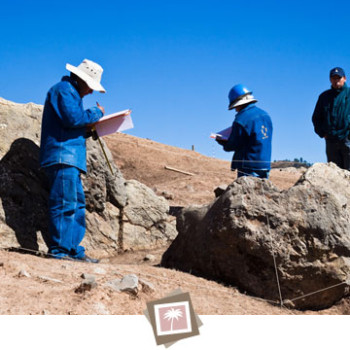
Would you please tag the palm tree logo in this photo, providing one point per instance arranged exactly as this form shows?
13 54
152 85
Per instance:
172 314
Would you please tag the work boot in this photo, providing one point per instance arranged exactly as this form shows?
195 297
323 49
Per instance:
87 259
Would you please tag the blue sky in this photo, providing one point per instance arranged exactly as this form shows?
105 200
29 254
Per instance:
174 62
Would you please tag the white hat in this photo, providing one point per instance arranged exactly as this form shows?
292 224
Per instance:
90 72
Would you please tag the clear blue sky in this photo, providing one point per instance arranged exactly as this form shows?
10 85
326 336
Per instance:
173 62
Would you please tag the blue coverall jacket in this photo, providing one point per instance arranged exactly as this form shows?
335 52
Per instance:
64 126
250 139
63 155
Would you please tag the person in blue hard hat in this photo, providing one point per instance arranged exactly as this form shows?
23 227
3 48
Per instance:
331 119
63 156
251 135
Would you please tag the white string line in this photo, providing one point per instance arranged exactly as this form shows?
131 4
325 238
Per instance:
272 249
318 291
197 285
273 253
37 252
195 158
41 253
208 288
188 155
273 177
274 261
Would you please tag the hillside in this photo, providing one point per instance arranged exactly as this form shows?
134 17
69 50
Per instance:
36 285
145 160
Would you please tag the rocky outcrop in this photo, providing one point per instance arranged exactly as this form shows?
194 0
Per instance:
18 121
305 230
120 214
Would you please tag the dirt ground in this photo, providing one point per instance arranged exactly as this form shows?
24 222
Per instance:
38 285
146 161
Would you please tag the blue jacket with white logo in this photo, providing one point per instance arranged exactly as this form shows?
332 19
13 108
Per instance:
250 139
63 127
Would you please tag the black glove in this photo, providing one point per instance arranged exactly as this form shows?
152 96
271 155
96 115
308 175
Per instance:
91 133
221 142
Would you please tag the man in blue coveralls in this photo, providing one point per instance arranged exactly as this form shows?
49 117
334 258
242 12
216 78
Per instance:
63 156
250 137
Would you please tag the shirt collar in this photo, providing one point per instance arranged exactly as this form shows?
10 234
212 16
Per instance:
249 106
70 80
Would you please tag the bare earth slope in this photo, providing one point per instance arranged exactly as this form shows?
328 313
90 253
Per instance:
145 160
36 285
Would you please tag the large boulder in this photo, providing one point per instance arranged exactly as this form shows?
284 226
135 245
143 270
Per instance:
18 120
120 214
253 232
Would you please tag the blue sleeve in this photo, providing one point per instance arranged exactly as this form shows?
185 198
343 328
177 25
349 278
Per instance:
70 109
236 138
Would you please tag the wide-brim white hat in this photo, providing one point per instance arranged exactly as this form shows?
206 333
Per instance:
90 72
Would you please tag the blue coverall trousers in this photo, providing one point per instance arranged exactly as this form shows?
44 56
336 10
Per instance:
66 211
263 174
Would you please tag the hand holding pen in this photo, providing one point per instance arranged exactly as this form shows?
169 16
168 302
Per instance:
100 107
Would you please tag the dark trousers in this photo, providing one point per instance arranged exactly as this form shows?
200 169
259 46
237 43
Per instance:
338 152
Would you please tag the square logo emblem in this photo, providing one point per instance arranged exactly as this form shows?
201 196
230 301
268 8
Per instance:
173 318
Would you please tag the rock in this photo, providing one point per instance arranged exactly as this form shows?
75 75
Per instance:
167 195
88 277
149 257
100 185
189 188
101 309
18 119
24 195
220 190
88 283
128 283
145 220
144 208
175 210
120 214
23 273
147 287
306 228
100 271
86 286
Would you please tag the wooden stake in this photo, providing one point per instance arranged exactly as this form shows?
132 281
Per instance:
178 171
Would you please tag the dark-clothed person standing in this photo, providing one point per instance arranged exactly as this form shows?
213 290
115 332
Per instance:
331 119
63 156
251 135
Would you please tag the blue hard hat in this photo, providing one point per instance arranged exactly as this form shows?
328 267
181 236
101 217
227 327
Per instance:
237 94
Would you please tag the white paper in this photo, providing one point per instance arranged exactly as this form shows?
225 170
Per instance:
222 135
114 115
115 122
